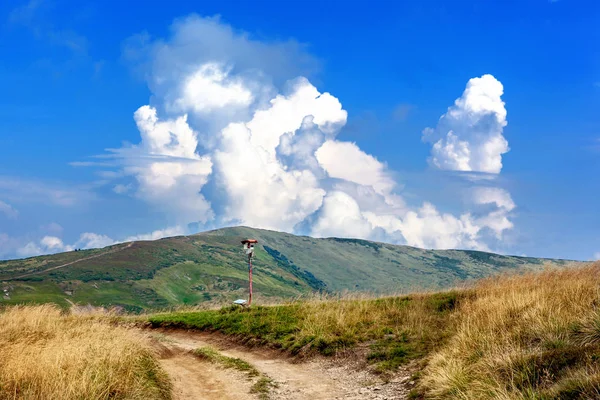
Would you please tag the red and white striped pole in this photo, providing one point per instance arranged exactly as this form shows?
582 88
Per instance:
250 278
249 248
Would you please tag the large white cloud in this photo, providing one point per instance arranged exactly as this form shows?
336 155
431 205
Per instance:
222 118
428 228
468 137
169 171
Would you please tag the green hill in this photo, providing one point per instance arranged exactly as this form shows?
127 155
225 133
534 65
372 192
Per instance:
210 266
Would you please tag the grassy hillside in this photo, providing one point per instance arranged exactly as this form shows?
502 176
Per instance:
531 336
210 267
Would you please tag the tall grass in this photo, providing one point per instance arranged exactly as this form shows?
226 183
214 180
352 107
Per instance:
45 354
396 328
513 337
535 336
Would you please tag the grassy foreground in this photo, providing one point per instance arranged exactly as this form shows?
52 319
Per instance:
46 354
397 329
530 336
535 336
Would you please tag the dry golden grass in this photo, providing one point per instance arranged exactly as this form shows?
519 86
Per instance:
363 317
45 354
532 336
392 330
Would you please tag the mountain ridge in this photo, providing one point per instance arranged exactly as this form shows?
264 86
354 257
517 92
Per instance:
210 267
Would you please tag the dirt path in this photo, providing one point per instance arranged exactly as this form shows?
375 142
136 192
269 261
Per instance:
14 278
312 380
195 380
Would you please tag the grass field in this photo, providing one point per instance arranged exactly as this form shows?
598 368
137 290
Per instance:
534 335
399 328
46 354
528 336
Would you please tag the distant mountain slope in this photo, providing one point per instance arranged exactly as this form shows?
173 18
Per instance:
210 266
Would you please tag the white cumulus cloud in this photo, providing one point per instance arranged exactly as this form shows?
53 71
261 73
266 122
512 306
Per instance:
235 134
468 137
169 171
341 217
90 240
428 228
46 245
158 234
211 88
493 195
344 160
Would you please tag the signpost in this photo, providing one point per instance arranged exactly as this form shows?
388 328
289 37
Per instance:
249 250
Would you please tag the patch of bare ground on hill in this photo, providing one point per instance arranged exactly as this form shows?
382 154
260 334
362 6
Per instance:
289 378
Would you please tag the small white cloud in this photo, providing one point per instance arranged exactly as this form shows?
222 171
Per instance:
47 245
158 234
597 256
90 240
9 211
52 243
469 136
492 195
29 250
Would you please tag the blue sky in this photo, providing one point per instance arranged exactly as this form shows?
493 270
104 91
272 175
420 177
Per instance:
307 117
